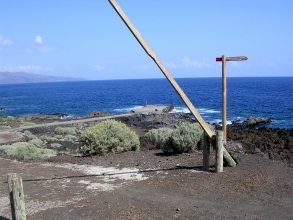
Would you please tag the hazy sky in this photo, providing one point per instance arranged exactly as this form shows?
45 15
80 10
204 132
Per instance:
88 39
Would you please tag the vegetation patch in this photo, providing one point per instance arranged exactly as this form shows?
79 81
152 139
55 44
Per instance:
108 136
65 131
27 150
184 138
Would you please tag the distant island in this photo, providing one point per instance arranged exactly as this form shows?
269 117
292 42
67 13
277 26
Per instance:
23 77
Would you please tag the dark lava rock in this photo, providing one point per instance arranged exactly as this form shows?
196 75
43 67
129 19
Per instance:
249 123
98 114
275 143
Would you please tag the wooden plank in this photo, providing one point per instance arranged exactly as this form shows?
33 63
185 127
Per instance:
224 98
151 53
240 58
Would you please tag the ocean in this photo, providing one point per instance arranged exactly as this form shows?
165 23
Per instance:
270 97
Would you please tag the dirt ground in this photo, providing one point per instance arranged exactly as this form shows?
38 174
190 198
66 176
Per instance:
150 185
147 185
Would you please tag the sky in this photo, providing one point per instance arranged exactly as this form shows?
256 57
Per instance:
74 38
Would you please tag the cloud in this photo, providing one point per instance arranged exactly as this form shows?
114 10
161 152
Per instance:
26 68
39 40
5 42
40 46
97 67
195 63
46 48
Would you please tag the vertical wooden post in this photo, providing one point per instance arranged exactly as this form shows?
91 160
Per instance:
206 152
17 197
219 151
10 176
224 98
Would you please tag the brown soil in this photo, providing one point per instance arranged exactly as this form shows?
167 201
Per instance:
150 185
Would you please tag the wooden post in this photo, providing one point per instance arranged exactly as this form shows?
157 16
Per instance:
219 151
206 152
17 197
224 99
10 176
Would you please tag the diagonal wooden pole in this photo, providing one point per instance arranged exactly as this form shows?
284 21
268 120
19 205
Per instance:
230 161
151 53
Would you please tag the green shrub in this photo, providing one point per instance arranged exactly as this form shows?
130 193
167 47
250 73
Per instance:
159 137
30 135
55 145
3 127
28 124
21 119
57 137
7 148
186 137
108 136
37 142
30 151
64 131
70 138
45 138
10 118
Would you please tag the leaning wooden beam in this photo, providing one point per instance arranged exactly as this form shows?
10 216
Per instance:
151 53
177 88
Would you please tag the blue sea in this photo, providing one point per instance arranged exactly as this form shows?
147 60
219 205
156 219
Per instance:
270 97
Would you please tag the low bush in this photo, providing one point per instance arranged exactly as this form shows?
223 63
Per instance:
57 137
28 124
64 131
55 145
37 142
3 127
70 138
7 148
10 118
30 151
108 136
21 119
159 137
184 138
30 135
45 138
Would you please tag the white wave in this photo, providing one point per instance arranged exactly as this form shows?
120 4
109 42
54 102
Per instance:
128 109
180 109
202 111
219 122
208 111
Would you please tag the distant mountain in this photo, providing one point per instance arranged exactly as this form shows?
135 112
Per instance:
22 77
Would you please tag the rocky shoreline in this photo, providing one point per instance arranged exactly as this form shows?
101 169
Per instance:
250 136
